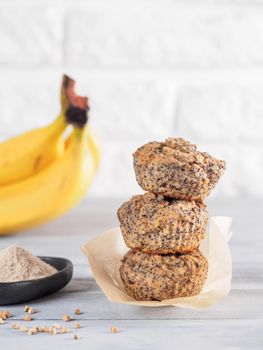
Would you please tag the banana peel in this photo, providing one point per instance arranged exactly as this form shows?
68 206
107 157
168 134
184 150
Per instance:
60 184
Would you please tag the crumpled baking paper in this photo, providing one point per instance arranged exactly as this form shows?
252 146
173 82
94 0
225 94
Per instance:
105 252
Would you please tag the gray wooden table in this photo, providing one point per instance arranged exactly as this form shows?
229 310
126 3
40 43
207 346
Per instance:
234 323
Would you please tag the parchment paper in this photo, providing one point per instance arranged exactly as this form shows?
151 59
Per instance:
104 254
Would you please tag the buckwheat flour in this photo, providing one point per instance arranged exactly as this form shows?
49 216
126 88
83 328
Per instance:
17 264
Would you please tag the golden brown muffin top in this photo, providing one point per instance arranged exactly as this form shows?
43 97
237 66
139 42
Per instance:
177 151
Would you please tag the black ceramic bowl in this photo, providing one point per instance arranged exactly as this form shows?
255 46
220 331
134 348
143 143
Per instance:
19 292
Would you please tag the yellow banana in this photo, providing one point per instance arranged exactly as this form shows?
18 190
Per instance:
26 154
53 190
44 193
93 145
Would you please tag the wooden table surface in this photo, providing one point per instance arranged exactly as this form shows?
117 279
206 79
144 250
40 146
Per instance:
234 323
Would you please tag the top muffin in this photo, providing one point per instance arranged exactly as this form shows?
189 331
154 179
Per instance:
176 169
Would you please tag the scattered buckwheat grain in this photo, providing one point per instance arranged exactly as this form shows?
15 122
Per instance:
27 318
66 318
64 330
114 329
77 311
32 331
26 308
5 314
31 310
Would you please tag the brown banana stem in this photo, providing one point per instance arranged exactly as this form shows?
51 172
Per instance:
74 107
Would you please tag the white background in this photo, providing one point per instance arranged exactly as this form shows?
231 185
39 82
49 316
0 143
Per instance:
152 69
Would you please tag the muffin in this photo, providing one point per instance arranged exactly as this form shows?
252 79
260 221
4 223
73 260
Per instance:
155 224
176 169
160 277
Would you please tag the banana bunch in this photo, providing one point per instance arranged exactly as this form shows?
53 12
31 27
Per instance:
42 172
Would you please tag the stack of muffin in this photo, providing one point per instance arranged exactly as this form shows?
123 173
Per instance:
164 227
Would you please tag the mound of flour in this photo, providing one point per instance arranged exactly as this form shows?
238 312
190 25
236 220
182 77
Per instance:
17 264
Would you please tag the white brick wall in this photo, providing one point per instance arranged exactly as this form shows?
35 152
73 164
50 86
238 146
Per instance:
170 35
152 69
225 113
30 36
